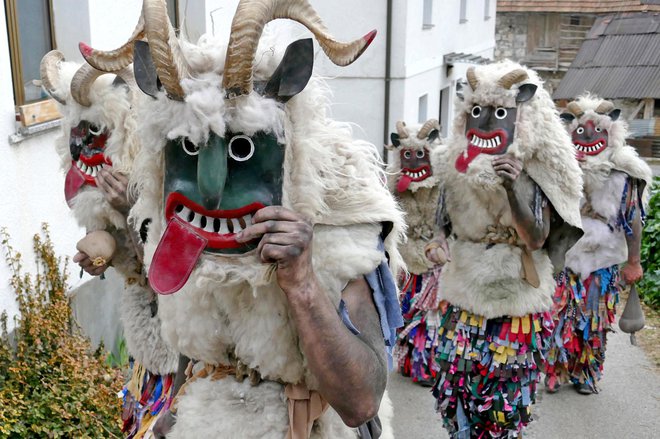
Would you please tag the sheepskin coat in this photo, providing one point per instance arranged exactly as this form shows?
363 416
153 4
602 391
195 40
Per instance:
605 175
111 109
418 202
486 279
233 304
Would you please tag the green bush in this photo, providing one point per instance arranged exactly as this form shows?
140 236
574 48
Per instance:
649 286
52 385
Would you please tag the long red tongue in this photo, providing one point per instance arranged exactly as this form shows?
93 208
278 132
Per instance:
175 258
464 160
404 182
72 183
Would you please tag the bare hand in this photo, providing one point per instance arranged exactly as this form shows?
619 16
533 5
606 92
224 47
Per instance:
86 264
632 273
114 186
286 240
437 251
508 168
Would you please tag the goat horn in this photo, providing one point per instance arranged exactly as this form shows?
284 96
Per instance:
574 108
472 78
82 83
50 73
165 51
113 60
402 130
429 125
246 29
605 107
513 77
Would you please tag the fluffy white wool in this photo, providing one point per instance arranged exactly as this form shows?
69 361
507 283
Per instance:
233 303
488 282
617 156
112 109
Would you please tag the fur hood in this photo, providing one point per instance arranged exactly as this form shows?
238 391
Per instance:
618 155
111 109
547 153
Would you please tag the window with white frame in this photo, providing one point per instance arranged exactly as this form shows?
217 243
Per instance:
30 32
422 110
463 13
486 10
427 19
173 12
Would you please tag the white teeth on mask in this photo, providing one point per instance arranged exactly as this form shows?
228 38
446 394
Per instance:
93 172
84 168
498 140
221 226
79 163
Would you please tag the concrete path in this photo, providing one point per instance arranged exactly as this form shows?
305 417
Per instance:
628 405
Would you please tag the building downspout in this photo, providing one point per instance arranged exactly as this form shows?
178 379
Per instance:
388 79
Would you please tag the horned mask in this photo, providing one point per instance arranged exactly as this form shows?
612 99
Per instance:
413 146
216 180
590 122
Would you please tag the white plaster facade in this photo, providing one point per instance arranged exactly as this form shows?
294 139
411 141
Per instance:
29 171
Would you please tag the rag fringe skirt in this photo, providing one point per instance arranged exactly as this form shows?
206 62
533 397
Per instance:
417 340
145 396
584 311
489 369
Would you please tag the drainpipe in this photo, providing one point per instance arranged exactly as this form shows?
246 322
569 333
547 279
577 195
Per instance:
388 58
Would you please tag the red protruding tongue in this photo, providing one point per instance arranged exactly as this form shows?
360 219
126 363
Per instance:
175 258
404 182
74 180
464 160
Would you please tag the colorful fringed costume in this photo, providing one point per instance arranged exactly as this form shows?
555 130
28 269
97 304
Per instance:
98 131
494 332
588 289
412 180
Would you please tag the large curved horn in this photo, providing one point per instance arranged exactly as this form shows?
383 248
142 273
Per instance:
513 77
246 29
429 125
82 83
605 107
113 60
50 73
401 130
164 46
472 78
574 108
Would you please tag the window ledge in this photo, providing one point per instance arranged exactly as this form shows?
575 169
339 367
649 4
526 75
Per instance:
25 133
428 26
462 20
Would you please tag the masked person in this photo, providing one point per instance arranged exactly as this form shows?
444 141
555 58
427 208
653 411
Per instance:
612 209
97 147
269 231
412 180
509 204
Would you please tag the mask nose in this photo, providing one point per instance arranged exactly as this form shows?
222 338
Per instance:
589 131
212 172
485 122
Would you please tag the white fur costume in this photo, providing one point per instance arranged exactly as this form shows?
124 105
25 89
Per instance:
605 175
233 304
418 201
111 109
488 282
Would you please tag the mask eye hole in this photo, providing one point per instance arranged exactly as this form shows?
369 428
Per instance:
580 130
501 113
420 154
189 147
94 130
241 148
407 154
599 129
476 111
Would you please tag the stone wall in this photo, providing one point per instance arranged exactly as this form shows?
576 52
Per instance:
510 36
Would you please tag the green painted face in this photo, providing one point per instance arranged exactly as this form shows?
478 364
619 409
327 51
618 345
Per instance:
215 189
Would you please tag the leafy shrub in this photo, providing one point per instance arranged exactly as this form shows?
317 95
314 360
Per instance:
51 383
649 286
